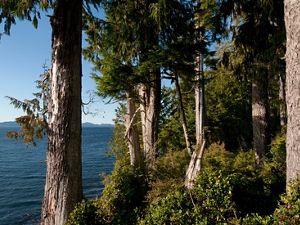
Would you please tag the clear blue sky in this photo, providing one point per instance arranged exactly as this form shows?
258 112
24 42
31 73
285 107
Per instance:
22 55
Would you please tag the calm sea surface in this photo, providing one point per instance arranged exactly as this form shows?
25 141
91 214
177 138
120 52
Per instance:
22 174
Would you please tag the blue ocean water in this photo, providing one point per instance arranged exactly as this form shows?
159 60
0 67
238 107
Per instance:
22 173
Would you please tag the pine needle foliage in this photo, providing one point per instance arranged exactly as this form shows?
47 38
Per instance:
33 125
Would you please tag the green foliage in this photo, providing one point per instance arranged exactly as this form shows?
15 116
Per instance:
228 110
85 213
256 219
288 212
213 193
171 132
118 144
123 195
255 189
210 202
33 125
168 174
173 209
216 157
274 169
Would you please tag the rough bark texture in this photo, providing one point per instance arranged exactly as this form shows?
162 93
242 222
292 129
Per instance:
292 22
63 188
260 115
132 135
182 116
282 100
150 96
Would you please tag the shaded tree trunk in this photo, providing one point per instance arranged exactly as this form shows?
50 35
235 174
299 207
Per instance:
292 22
260 115
63 187
150 95
282 100
182 116
131 134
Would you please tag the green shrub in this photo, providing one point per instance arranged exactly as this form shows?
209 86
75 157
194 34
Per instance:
217 158
256 219
85 213
213 196
173 209
168 174
288 212
210 202
123 194
274 169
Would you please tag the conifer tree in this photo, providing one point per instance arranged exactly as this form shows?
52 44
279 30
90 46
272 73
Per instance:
63 188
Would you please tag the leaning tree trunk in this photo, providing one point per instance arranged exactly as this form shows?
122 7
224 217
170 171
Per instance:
63 188
292 23
196 160
131 134
182 116
260 115
150 96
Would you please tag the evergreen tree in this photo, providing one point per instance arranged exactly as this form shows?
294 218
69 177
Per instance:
63 188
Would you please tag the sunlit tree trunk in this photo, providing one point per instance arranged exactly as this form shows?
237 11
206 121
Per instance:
292 22
182 116
63 187
196 160
199 101
150 95
260 115
132 135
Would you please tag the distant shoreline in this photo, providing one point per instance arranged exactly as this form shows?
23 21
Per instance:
11 124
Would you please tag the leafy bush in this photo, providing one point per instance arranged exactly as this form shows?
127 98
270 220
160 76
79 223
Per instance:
213 195
123 194
173 209
85 213
256 219
288 212
168 174
216 157
210 202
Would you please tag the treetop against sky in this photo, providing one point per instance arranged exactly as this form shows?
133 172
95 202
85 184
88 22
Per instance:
22 56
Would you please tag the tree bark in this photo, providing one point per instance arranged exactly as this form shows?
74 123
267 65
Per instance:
260 115
292 22
194 166
132 135
282 100
150 95
63 187
182 116
196 160
199 101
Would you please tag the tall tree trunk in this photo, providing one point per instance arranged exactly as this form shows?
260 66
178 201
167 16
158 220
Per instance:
199 101
282 100
150 95
292 23
132 135
196 160
63 188
260 115
182 116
